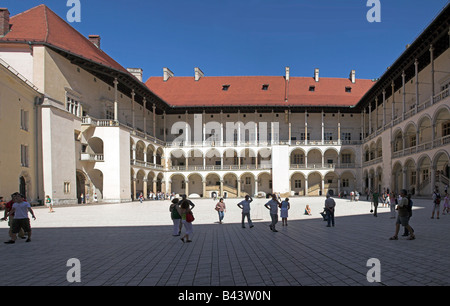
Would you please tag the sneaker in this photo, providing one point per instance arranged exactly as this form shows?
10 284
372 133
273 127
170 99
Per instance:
10 242
28 240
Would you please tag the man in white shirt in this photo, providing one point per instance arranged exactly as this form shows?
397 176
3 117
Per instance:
20 210
245 206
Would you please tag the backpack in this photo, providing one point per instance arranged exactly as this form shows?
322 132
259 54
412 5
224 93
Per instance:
438 198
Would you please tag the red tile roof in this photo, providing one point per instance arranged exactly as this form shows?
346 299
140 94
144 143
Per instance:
247 90
42 25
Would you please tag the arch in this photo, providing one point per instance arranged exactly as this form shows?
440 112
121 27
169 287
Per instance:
314 184
264 183
82 187
330 157
314 158
178 183
298 183
194 185
441 121
96 177
330 183
247 180
425 129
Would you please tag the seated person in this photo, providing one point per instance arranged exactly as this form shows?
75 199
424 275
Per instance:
307 210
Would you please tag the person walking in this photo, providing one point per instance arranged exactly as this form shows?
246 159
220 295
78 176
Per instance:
9 215
175 216
221 208
285 206
436 203
403 217
245 206
330 205
20 210
375 198
392 204
272 206
183 210
49 203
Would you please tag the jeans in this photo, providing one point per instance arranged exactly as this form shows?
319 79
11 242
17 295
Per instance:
248 219
274 218
221 215
330 217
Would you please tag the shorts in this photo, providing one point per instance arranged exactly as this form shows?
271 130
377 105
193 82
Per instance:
21 223
403 220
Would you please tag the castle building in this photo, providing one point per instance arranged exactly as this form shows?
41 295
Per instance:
96 130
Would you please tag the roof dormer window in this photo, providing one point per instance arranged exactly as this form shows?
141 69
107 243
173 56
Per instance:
265 87
348 89
225 87
312 88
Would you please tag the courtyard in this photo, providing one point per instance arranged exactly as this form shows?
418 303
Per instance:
131 244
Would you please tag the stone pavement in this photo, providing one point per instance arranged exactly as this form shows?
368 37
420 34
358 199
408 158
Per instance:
131 245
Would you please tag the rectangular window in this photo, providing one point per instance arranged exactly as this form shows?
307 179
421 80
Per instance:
302 136
413 178
328 136
24 158
109 114
66 187
346 158
24 119
346 136
73 106
297 159
297 184
345 183
446 129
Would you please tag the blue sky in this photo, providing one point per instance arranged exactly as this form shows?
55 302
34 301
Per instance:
249 37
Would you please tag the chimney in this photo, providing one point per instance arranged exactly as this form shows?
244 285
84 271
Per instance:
287 74
198 73
137 72
167 74
353 76
316 74
4 21
95 39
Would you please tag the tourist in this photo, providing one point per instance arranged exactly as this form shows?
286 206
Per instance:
436 202
175 216
403 217
410 204
330 205
49 203
220 208
375 198
284 208
272 206
183 210
20 210
9 215
245 206
307 210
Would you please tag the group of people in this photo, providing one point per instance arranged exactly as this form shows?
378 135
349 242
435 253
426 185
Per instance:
16 212
271 205
179 210
181 215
